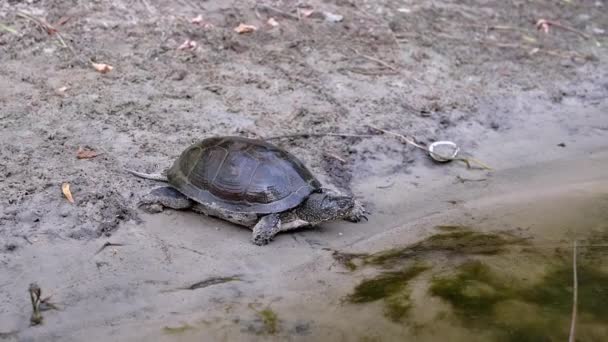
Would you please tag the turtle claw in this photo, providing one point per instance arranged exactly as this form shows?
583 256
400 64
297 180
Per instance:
357 213
151 208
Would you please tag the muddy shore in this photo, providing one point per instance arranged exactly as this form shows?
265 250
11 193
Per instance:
532 105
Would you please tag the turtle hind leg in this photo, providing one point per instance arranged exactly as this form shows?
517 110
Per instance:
165 197
266 228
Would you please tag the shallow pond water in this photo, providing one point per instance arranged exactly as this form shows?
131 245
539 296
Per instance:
499 271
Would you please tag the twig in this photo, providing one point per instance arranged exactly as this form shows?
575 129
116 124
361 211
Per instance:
495 27
368 72
374 59
278 11
464 180
307 135
107 244
336 157
8 29
541 22
572 337
401 137
50 30
467 161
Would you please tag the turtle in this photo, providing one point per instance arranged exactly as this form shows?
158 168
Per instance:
251 183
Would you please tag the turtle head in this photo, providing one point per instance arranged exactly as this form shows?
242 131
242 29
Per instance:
321 207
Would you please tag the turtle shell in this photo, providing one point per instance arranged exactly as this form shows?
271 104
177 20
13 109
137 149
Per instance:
242 175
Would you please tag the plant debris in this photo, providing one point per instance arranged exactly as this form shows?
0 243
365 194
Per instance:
208 282
188 44
272 22
86 153
65 188
102 67
35 293
244 28
197 20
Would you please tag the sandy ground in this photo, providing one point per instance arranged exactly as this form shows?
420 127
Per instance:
532 105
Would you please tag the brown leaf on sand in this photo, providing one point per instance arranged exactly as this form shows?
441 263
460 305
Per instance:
102 67
86 153
244 28
272 22
65 188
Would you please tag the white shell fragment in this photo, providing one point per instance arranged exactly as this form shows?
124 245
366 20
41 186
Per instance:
443 151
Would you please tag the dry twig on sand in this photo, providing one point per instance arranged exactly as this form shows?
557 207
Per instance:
307 135
374 59
8 29
543 24
469 161
49 29
572 336
277 11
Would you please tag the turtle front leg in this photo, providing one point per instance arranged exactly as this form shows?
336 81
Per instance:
165 197
266 228
357 213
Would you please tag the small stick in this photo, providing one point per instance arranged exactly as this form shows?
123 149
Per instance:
410 141
307 135
278 11
8 29
338 158
464 180
374 59
107 244
563 27
402 137
50 30
572 337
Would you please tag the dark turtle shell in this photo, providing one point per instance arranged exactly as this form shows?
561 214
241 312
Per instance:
242 175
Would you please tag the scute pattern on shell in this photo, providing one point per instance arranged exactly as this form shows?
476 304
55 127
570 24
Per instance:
242 175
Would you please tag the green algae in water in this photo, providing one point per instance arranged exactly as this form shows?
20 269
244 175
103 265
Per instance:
473 291
451 228
465 242
555 291
541 311
178 330
270 320
392 287
347 259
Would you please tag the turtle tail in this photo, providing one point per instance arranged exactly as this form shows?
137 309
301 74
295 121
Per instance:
152 176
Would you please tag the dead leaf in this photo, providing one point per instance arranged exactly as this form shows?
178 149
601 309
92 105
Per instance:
272 22
86 153
197 20
188 45
102 67
61 90
65 188
543 25
306 12
244 28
